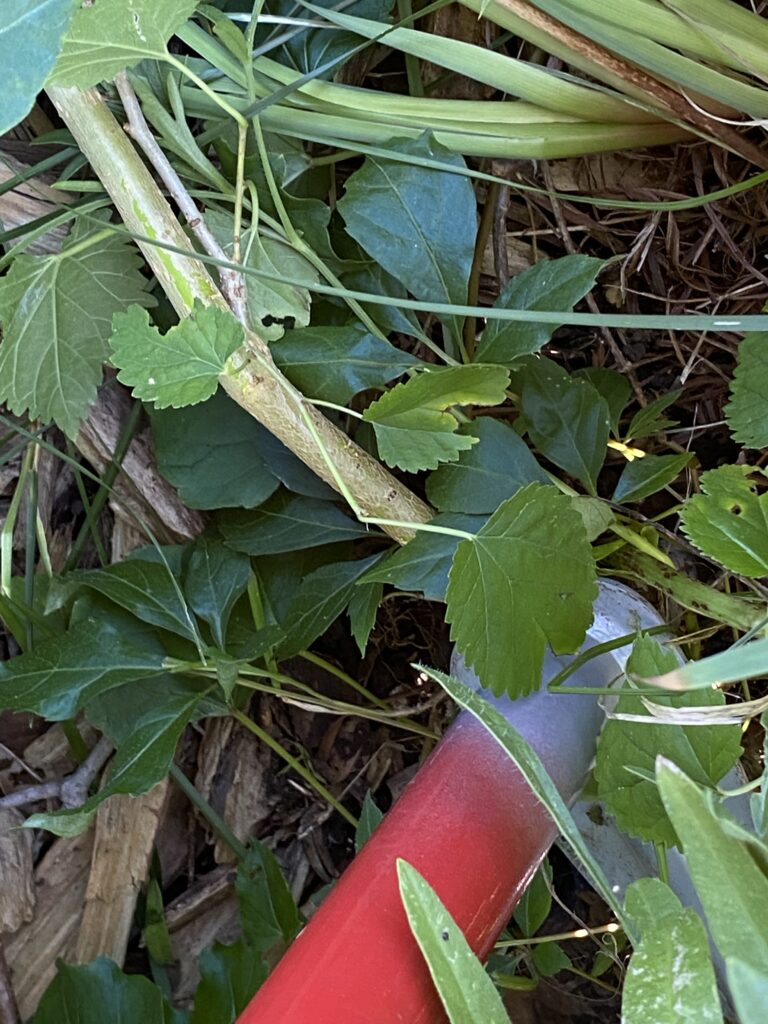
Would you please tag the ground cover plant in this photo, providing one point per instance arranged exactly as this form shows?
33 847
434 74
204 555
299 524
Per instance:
334 372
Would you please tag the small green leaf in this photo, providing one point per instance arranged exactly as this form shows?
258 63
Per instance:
29 45
335 363
650 419
82 994
610 385
417 222
737 912
287 522
107 36
370 816
413 429
267 909
704 752
536 903
215 578
567 419
530 564
57 316
643 477
747 411
467 992
488 473
549 959
548 285
363 606
749 990
180 367
229 978
728 521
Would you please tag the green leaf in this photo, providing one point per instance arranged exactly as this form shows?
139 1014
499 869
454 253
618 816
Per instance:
741 661
728 521
335 363
215 578
567 419
363 606
59 676
146 589
107 36
267 909
467 992
670 979
747 411
548 285
29 45
423 563
82 994
229 978
370 816
414 431
417 222
749 990
644 477
549 959
530 564
536 903
488 473
610 385
732 888
180 367
649 420
57 315
703 752
287 522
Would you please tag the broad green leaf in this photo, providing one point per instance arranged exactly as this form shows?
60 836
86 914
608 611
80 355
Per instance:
530 565
180 367
567 419
643 477
467 992
29 44
548 285
59 676
229 978
147 590
267 908
650 420
749 990
335 363
488 473
423 563
413 429
214 579
670 979
747 411
417 222
57 316
107 36
534 907
370 816
703 752
218 456
732 888
82 994
648 902
549 959
610 385
728 521
535 774
363 606
287 522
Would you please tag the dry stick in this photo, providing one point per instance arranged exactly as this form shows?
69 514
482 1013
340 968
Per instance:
72 790
254 381
9 1010
232 282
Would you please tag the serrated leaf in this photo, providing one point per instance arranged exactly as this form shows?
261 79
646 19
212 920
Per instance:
57 315
530 564
567 419
489 473
747 411
59 676
413 429
80 994
29 45
180 367
417 222
214 579
423 563
287 522
703 752
650 420
670 979
643 477
267 908
362 609
548 285
229 978
466 990
335 363
749 990
107 36
728 521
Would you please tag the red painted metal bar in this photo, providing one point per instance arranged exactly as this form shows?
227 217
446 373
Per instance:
470 824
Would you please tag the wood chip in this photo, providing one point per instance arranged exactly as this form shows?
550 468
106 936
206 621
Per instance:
17 895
